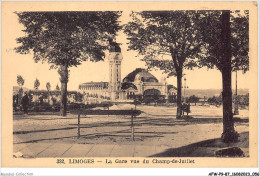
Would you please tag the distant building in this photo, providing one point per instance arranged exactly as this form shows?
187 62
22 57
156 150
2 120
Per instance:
94 92
141 82
138 83
171 90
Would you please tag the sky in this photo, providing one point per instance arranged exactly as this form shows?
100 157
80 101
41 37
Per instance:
25 66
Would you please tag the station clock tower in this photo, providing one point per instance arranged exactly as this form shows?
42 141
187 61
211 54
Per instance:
115 59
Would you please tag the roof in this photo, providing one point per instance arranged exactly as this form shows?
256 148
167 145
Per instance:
93 83
127 85
145 76
170 87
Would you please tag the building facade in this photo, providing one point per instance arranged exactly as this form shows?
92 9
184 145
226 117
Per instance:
142 83
139 83
94 92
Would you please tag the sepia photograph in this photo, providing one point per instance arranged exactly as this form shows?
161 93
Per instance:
159 86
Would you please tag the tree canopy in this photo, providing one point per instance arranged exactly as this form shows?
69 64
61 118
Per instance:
192 34
67 38
37 84
57 87
48 86
239 26
156 35
20 80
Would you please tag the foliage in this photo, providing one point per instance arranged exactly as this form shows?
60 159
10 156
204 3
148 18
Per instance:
67 38
172 98
240 40
192 99
36 84
20 80
243 100
79 97
48 86
57 87
239 24
191 35
20 92
215 100
158 34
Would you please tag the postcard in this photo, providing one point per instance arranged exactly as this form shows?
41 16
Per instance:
129 84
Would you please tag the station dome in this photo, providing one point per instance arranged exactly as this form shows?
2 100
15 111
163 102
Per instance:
140 74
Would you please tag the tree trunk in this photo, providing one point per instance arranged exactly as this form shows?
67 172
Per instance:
178 68
63 71
179 84
236 112
229 134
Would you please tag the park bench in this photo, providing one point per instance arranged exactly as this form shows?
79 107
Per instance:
133 113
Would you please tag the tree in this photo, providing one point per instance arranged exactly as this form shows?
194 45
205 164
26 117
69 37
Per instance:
227 50
239 40
37 84
57 87
66 39
217 100
48 87
79 97
193 99
20 80
156 34
244 99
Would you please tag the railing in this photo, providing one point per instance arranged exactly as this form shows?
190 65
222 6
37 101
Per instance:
131 112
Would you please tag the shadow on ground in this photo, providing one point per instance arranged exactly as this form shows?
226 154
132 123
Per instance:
212 120
114 136
206 148
138 122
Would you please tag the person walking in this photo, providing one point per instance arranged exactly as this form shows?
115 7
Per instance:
25 103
